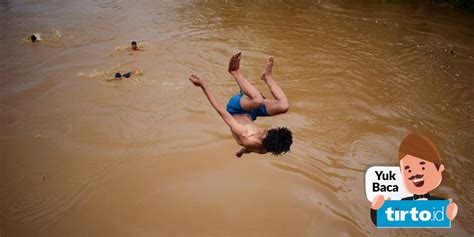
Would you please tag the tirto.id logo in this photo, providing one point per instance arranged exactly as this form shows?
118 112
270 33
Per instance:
413 214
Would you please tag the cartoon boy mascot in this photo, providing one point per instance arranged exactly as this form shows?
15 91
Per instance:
420 165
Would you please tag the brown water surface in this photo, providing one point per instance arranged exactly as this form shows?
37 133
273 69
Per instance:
148 155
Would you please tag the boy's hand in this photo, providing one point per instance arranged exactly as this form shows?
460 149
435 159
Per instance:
196 80
239 153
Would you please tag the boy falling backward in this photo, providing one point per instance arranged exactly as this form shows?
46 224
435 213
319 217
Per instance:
243 108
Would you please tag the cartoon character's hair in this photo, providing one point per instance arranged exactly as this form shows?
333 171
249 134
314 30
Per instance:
33 38
421 147
118 75
278 140
134 43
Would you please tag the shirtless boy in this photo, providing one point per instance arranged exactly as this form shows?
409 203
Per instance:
243 108
135 46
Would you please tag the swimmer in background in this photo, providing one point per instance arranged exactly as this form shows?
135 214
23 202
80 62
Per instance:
45 39
243 108
135 46
118 76
35 37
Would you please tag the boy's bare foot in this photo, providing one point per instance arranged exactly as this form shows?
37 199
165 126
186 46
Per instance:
234 63
267 73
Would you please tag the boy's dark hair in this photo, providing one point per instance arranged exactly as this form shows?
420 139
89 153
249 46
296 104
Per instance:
278 140
33 38
118 75
134 43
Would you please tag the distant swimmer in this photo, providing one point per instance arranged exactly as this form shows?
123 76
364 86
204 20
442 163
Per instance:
119 76
35 37
131 48
135 46
244 108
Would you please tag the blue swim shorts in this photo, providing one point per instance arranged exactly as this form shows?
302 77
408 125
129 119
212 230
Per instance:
234 107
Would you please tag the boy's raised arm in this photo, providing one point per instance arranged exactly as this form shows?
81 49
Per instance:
236 127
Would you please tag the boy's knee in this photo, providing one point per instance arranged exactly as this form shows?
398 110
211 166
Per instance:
283 107
257 102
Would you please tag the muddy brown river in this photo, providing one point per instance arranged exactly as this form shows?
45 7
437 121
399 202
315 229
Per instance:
147 155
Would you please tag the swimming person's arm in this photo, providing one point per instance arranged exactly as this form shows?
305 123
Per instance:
236 127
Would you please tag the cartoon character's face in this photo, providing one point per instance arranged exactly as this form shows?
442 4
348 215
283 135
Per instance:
420 176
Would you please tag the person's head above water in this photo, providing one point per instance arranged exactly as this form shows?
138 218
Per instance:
134 45
278 140
33 38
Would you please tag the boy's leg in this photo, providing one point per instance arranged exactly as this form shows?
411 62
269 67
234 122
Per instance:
280 104
252 98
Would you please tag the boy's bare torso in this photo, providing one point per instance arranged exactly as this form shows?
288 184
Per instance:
252 136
